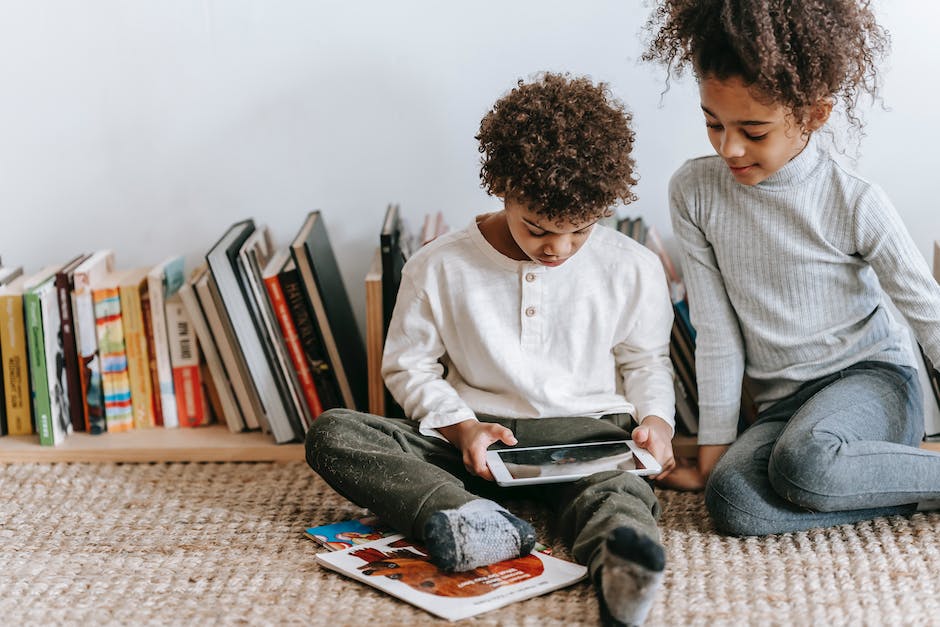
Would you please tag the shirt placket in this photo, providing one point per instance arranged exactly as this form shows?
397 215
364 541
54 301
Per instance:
532 279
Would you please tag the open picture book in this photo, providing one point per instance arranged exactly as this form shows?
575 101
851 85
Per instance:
401 568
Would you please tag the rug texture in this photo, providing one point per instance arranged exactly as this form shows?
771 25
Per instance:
201 544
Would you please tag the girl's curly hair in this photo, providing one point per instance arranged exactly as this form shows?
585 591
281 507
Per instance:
562 145
792 52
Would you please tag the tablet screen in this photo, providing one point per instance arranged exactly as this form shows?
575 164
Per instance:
575 459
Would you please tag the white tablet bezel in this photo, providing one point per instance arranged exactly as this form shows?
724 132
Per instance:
503 478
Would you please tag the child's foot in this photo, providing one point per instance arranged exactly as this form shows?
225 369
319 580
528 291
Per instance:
631 574
476 534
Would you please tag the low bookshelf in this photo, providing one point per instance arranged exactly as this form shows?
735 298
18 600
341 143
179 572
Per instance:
214 443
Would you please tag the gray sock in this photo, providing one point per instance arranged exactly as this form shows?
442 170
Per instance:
478 533
631 574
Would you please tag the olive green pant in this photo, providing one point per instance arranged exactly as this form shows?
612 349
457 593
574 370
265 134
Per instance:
387 466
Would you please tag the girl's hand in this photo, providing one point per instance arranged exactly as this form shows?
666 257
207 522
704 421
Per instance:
708 456
472 438
655 435
685 476
691 475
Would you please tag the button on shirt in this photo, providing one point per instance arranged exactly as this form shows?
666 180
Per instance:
521 340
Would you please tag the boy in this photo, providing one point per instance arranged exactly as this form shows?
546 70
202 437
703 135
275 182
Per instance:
532 326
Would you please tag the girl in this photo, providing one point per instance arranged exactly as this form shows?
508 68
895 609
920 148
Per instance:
783 252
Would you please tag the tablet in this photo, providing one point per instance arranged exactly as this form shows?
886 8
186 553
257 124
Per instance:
567 462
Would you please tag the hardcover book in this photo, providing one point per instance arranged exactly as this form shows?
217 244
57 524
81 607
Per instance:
288 331
163 281
402 569
15 359
192 407
311 340
65 284
46 360
87 275
232 359
234 295
134 293
252 258
221 386
115 380
327 297
375 335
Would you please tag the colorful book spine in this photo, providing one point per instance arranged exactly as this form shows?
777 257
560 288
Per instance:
114 376
15 364
135 345
164 281
292 340
191 403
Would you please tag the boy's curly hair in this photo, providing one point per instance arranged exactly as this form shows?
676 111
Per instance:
562 145
793 52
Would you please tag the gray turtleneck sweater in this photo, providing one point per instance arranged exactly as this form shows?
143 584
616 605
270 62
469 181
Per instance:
783 280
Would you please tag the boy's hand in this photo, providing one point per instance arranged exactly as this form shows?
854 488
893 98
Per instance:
472 438
689 475
655 435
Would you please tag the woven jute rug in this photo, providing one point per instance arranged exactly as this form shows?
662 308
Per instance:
194 544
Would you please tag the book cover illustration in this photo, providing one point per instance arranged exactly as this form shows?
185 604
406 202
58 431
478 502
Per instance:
402 569
342 535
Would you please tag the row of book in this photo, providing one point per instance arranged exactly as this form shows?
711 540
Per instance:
265 338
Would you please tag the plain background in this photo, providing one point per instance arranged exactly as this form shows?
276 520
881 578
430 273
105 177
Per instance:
149 127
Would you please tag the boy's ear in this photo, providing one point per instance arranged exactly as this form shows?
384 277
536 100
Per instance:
818 114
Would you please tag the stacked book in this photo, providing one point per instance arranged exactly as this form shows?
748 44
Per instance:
255 337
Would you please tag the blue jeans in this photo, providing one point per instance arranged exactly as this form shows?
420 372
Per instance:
842 449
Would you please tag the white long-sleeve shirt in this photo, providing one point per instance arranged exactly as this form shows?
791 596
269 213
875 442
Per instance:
783 280
521 340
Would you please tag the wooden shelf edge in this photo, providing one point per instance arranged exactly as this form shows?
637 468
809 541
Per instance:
205 444
214 443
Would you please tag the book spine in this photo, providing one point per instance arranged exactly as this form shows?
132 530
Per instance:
138 365
3 406
63 285
37 367
323 376
90 363
162 352
15 365
155 406
114 378
60 424
191 403
292 340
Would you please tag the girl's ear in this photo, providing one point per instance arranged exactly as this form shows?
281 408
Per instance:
819 114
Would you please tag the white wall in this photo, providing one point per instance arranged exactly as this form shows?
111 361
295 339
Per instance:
149 127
